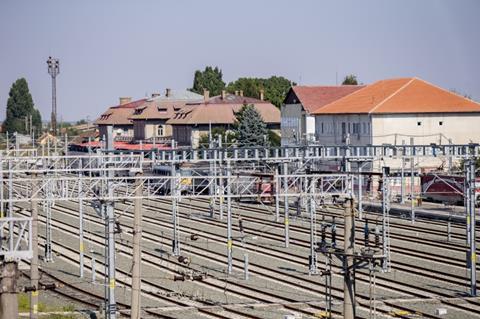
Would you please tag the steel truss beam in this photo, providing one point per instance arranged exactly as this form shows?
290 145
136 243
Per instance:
18 245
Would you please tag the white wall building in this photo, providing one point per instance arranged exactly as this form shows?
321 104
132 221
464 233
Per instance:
399 111
298 122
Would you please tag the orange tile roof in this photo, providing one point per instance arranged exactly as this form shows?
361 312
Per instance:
314 97
403 95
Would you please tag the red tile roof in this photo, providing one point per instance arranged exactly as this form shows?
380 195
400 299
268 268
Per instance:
314 97
222 111
119 114
403 95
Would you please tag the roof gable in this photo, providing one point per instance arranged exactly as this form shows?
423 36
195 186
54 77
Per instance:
314 97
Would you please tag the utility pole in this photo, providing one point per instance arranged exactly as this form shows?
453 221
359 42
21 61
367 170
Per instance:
8 290
174 185
348 261
313 227
277 197
137 252
286 215
229 219
80 214
470 195
34 276
54 70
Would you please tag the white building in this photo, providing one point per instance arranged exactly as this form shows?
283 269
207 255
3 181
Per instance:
298 122
399 111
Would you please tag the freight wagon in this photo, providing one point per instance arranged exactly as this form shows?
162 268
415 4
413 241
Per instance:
446 188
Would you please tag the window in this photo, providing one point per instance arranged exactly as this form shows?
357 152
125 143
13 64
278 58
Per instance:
322 128
344 128
440 123
160 130
419 123
356 128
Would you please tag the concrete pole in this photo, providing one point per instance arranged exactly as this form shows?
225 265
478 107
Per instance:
137 252
277 197
174 192
245 266
360 192
286 215
348 262
111 306
34 276
471 207
8 294
311 207
229 220
80 214
412 182
402 181
2 203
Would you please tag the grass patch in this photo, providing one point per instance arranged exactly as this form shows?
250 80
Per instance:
24 306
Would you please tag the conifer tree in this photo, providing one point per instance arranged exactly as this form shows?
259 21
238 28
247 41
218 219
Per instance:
19 108
250 129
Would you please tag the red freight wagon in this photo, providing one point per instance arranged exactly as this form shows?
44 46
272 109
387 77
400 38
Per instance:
446 188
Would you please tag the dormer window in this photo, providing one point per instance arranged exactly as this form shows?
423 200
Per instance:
162 109
139 110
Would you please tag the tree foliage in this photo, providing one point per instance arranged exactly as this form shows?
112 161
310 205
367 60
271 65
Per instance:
20 107
350 79
228 137
250 129
275 88
210 79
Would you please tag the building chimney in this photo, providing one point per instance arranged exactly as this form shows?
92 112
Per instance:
236 92
206 95
262 95
125 100
241 92
156 94
224 94
168 92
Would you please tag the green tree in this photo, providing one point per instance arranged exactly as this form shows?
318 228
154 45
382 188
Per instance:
210 79
275 88
20 107
350 80
204 140
250 129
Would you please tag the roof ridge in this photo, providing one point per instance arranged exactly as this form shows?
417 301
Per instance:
448 91
392 95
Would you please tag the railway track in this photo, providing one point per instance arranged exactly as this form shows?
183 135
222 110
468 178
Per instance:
98 240
167 226
412 252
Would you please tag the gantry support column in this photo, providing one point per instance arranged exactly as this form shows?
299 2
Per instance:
348 262
34 276
286 215
229 219
137 252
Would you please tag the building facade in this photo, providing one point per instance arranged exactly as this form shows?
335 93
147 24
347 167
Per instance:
197 119
398 112
150 118
297 119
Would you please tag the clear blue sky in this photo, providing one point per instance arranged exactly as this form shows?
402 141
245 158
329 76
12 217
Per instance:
109 49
